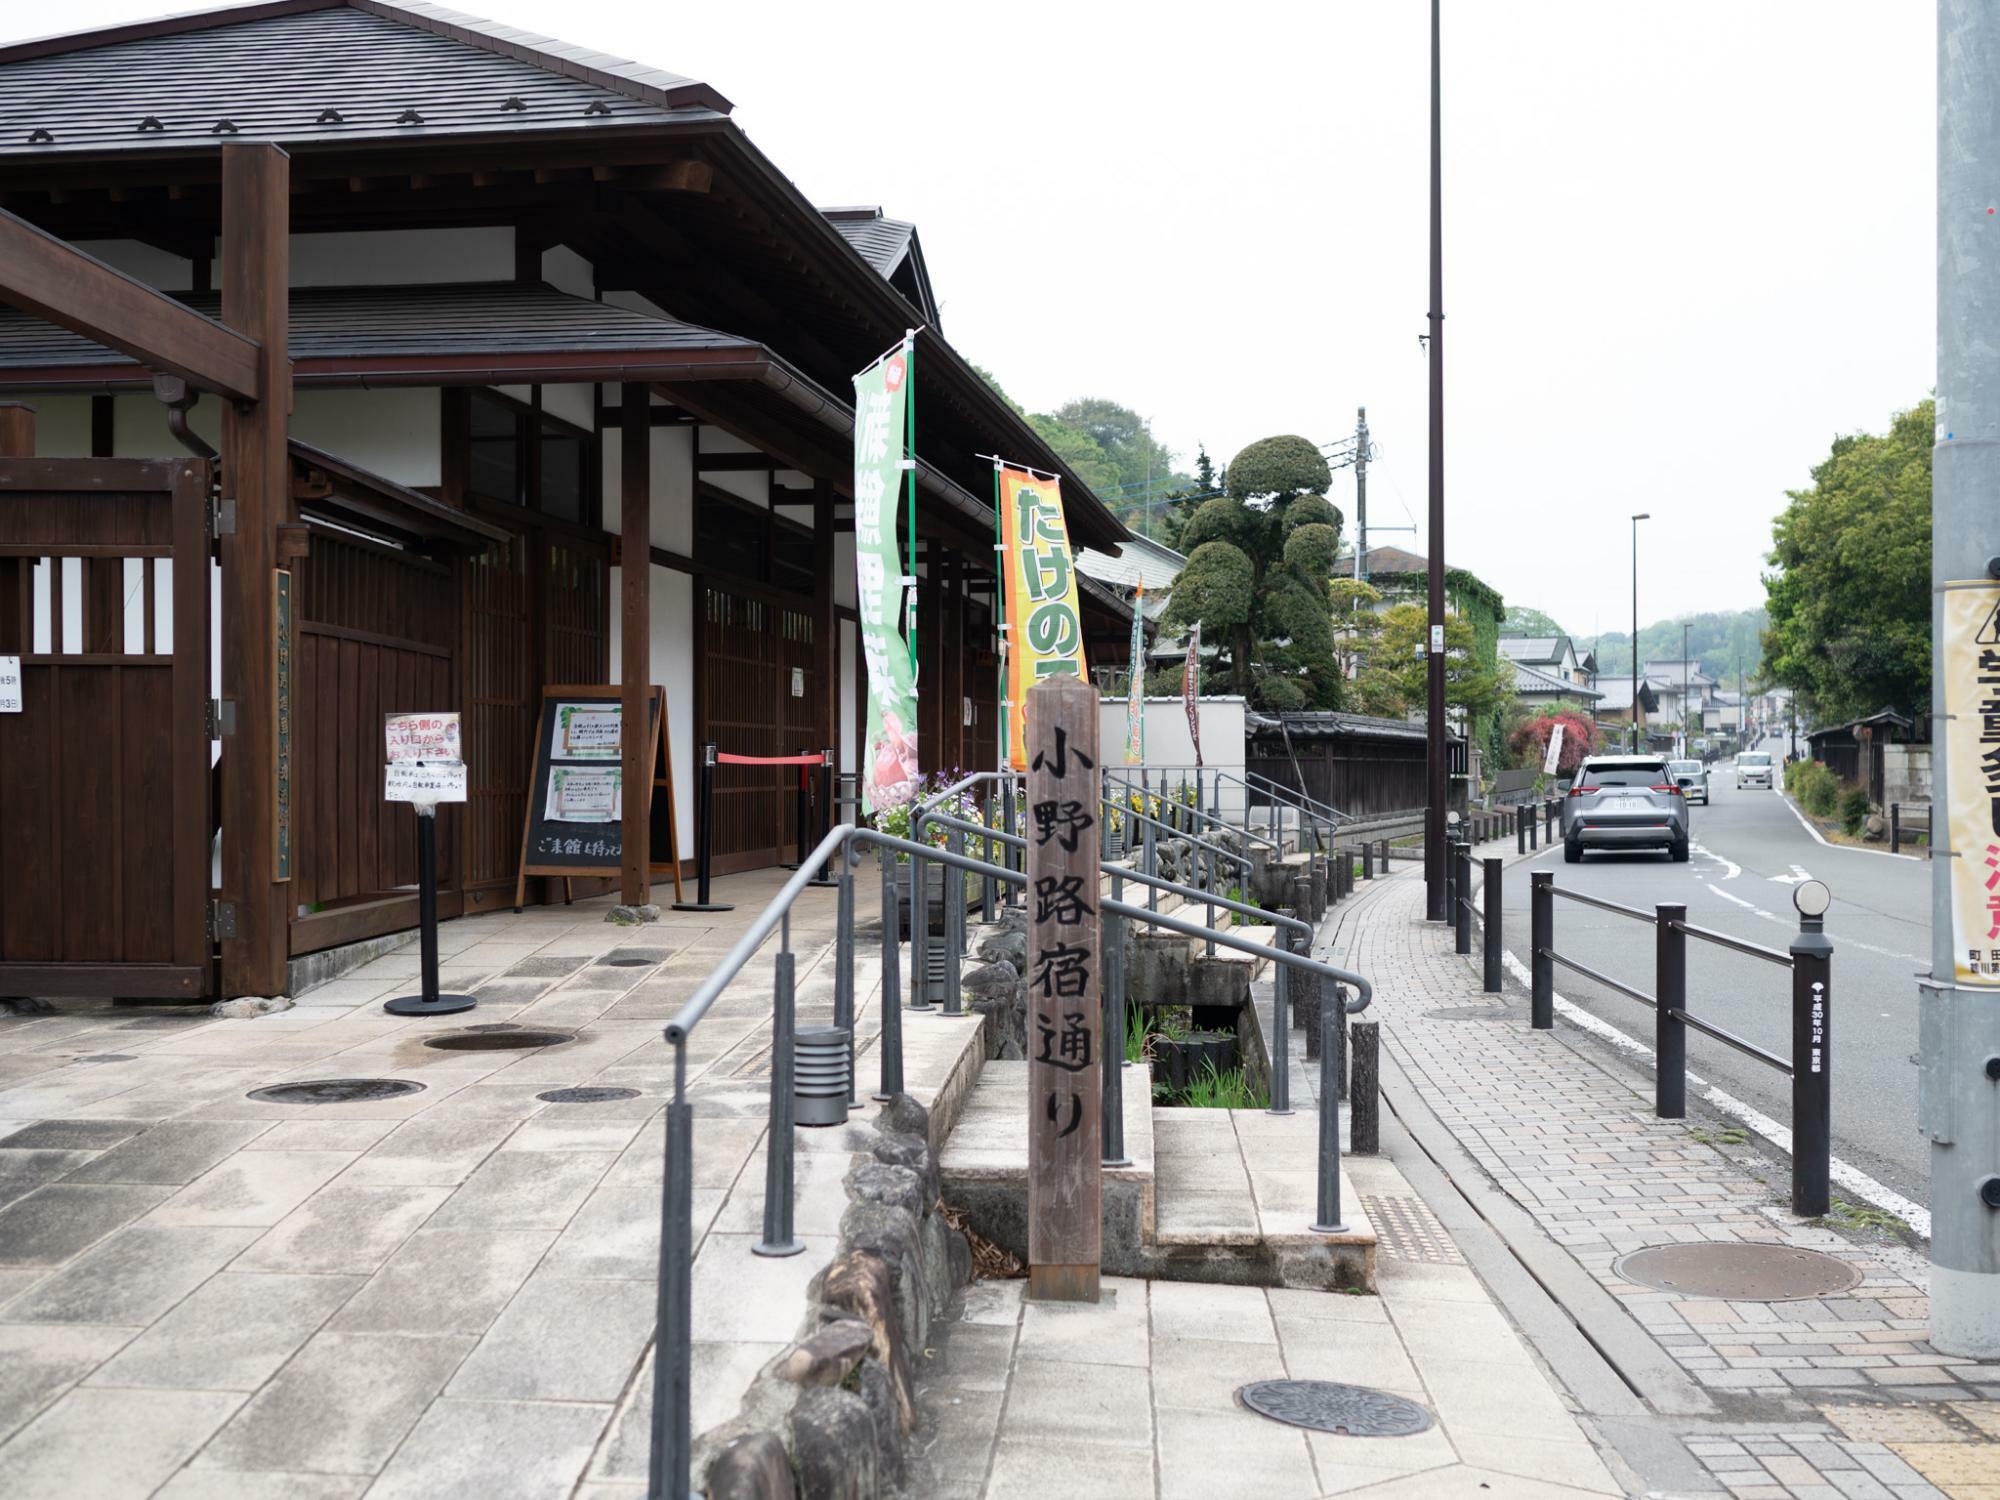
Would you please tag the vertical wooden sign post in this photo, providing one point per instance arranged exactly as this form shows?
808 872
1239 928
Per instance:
1065 1031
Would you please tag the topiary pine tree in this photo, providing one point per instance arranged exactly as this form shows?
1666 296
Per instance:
1258 561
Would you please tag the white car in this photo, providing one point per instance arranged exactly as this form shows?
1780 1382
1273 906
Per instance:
1753 770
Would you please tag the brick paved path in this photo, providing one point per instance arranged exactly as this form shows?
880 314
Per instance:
1864 1406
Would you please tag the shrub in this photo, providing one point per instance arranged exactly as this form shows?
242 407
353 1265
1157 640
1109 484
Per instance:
1817 790
1853 811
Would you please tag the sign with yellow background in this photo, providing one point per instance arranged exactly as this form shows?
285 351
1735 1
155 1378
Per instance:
1971 661
1044 619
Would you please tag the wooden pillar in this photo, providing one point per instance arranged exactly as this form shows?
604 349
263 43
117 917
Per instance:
17 430
1065 1011
826 627
256 260
635 512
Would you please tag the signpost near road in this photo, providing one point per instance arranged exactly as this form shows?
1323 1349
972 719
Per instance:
422 766
1065 1013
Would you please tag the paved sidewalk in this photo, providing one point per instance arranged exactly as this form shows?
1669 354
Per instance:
445 1293
1813 1398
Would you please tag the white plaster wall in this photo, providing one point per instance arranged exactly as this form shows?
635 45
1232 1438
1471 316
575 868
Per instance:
756 488
850 690
62 426
396 432
843 570
401 257
573 403
565 270
157 268
671 647
673 487
1169 744
630 301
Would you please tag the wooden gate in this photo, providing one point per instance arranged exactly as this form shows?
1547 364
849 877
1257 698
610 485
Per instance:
104 838
756 647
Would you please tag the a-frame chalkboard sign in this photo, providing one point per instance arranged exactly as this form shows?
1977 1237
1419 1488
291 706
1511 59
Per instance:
573 824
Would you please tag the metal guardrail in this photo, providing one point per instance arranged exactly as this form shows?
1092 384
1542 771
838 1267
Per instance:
1897 827
671 1457
1809 959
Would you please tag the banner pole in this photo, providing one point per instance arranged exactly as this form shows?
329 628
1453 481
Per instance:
910 453
1000 579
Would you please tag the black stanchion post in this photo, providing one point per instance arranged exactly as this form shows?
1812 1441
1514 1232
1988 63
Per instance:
1812 1054
704 835
1491 934
1534 826
1364 1120
1542 938
1895 828
824 796
1520 831
1367 860
429 1002
1462 912
1670 1037
1450 878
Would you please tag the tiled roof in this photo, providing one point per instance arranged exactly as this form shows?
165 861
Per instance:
353 321
1135 562
296 71
882 242
1532 679
1534 648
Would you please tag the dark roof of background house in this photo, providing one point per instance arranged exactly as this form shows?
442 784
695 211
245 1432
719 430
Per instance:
1529 678
1320 724
346 322
883 242
273 71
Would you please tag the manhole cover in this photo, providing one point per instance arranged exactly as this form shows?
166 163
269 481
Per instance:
336 1091
1327 1406
586 1095
1468 1013
632 958
1749 1273
497 1041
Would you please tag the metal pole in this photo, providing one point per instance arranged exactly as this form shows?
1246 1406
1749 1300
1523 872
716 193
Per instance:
1895 828
920 923
1491 934
1670 1038
778 1143
954 926
1110 1065
1635 628
1959 1022
1281 1037
1812 1069
1520 830
1434 736
1542 938
843 959
1328 1220
1150 867
1367 860
669 1464
891 1041
1008 822
1461 915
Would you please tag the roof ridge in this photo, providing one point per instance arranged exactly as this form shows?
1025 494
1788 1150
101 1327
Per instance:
620 75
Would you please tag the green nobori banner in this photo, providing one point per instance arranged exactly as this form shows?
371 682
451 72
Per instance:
889 766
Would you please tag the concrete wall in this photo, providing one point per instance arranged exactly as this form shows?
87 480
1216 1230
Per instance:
1168 743
1906 773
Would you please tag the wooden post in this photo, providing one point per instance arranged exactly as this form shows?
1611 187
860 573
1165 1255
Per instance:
1065 1030
17 430
635 510
256 223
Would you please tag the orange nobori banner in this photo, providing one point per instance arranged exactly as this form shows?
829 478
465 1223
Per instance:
1044 618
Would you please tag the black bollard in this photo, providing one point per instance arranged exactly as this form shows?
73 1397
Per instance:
704 835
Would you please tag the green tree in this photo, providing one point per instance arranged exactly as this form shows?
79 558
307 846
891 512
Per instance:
1522 620
1849 600
1393 676
1258 561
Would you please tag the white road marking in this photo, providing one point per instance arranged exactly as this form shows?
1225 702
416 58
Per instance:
1797 877
1733 869
1819 838
1852 1178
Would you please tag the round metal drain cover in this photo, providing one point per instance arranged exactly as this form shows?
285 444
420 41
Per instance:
615 962
1328 1406
497 1041
1468 1013
586 1095
336 1091
1748 1273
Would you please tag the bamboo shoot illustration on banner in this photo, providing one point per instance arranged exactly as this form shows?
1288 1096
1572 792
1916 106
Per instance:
884 441
1044 618
1135 692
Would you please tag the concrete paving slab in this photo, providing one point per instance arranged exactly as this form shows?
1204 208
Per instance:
133 1277
561 1340
67 1452
231 1334
37 1364
474 1450
53 1223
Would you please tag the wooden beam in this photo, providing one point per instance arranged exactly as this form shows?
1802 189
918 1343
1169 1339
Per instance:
725 463
62 285
684 175
17 430
256 474
635 509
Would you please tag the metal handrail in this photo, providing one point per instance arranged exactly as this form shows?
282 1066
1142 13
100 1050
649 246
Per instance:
1601 904
671 1457
1299 796
1724 940
1604 979
1730 1038
1215 819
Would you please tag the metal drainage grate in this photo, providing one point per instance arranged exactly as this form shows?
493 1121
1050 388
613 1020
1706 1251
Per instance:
497 1041
1747 1273
595 1095
1327 1406
336 1091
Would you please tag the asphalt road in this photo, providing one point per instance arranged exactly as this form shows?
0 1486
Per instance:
1749 851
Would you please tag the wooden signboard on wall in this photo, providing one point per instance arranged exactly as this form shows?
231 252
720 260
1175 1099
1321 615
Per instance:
573 825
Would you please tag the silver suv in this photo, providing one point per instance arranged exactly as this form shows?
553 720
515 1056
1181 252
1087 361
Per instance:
1624 802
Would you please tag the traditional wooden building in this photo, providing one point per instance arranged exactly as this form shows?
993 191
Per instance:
557 364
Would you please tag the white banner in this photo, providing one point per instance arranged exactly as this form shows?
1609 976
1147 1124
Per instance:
1970 655
1554 756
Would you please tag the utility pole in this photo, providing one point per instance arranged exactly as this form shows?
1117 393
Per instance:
1361 494
1958 1004
1434 738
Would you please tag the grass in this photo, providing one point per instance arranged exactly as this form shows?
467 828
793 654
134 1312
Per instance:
1728 1136
1861 1216
1235 893
1214 1090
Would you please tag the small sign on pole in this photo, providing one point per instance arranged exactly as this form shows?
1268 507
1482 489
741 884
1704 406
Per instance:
1554 756
1065 1019
421 766
10 684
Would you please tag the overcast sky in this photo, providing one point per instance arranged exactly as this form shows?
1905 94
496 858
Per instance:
1686 244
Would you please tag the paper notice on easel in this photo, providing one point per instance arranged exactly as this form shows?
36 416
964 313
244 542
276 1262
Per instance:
587 731
584 794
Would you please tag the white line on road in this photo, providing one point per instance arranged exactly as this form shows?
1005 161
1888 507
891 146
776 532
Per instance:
1820 838
1733 869
1852 1178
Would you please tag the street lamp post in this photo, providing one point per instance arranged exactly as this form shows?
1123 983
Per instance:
1641 516
1686 626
